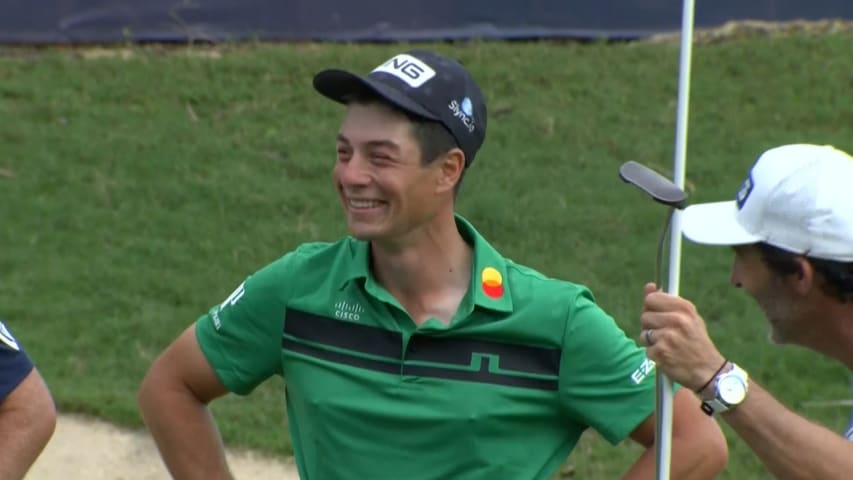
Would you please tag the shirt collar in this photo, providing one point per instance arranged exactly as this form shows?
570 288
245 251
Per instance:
488 289
489 284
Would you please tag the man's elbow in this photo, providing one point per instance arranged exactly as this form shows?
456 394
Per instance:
706 445
160 386
718 451
146 396
44 424
37 411
698 439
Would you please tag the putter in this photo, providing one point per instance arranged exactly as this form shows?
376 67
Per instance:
668 193
662 190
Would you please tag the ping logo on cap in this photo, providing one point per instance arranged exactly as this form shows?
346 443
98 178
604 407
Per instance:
408 69
744 191
492 282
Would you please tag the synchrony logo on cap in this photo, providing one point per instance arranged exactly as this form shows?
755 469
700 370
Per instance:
467 107
464 111
744 191
492 282
408 69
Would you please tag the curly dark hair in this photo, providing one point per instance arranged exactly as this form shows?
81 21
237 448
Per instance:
837 276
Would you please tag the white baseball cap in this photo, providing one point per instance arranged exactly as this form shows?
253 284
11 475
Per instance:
796 197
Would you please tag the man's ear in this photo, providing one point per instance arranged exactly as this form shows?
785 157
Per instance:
804 279
451 165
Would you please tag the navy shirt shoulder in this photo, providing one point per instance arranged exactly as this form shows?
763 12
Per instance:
15 365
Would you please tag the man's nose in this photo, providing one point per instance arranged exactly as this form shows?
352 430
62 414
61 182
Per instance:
735 278
354 172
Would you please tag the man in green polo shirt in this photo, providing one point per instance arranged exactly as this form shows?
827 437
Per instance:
413 349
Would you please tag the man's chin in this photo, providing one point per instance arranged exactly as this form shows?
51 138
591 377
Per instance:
775 337
364 232
363 236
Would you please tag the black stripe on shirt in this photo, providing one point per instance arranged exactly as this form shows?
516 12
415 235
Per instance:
342 334
518 365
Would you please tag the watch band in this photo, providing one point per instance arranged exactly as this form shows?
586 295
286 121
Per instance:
713 406
709 391
711 399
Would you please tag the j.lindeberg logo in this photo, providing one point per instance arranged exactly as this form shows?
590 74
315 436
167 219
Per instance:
348 311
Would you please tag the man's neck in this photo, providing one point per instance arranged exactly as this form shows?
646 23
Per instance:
429 271
836 335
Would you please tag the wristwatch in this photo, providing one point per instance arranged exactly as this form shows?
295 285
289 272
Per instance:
727 390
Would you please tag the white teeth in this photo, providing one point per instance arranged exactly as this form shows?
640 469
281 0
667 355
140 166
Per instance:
363 203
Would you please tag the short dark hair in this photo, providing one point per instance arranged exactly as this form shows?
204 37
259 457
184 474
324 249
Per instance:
433 138
837 276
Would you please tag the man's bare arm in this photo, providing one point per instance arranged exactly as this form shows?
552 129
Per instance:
27 421
173 400
699 449
791 446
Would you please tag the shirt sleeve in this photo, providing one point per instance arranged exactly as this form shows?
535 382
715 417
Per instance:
241 337
606 380
15 365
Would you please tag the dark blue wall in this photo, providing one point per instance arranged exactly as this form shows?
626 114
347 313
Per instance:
74 21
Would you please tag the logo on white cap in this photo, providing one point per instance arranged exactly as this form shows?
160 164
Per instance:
744 191
408 69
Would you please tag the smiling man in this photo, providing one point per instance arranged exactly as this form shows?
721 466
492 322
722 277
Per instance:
412 348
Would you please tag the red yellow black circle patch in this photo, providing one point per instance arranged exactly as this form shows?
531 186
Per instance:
492 282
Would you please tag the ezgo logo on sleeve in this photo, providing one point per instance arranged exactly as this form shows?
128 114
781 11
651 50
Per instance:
408 69
640 374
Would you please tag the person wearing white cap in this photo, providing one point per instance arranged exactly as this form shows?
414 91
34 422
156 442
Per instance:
791 229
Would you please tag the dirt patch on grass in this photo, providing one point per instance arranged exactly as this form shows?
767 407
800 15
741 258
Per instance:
83 448
744 29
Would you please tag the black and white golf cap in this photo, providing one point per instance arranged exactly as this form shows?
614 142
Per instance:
425 84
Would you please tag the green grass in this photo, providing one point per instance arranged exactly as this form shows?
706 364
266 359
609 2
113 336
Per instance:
136 192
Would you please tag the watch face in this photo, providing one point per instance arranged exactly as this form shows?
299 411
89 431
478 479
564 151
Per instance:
731 389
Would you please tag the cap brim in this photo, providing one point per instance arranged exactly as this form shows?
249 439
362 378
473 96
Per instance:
715 224
340 84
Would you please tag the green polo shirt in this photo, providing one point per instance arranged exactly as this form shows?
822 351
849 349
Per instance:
502 392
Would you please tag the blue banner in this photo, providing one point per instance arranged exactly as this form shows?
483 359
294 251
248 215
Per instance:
97 21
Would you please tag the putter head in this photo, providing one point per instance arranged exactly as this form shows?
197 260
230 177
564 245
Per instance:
657 186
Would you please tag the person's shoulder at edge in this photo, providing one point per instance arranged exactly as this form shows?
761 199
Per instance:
539 284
